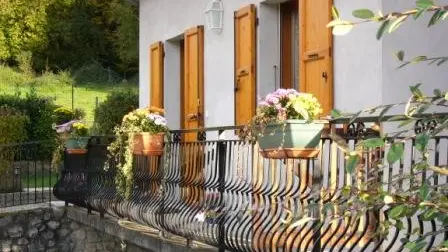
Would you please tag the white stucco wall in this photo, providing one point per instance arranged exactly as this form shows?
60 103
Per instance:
167 19
415 38
357 61
365 72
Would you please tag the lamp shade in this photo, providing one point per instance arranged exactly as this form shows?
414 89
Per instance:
214 15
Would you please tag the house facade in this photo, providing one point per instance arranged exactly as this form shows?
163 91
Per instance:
207 78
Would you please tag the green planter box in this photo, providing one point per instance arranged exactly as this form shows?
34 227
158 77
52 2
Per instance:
293 139
77 145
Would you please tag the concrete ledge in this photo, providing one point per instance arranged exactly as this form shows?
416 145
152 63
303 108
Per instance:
139 235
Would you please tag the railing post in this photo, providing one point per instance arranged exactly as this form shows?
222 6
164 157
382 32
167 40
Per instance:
316 187
222 151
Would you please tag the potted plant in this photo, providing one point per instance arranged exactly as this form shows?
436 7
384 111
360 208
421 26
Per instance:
286 125
147 131
74 136
141 132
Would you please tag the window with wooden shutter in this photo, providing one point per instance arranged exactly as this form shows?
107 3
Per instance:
289 44
193 89
316 61
156 75
245 64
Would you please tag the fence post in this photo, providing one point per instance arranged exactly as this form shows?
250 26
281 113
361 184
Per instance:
222 151
73 96
316 187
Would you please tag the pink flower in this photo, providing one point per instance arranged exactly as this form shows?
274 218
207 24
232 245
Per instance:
272 99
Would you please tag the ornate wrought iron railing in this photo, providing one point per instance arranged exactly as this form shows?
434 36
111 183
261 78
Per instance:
26 175
219 190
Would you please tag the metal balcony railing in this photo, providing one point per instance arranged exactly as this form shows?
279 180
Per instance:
220 191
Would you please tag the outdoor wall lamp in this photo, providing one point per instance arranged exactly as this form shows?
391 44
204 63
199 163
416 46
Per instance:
214 15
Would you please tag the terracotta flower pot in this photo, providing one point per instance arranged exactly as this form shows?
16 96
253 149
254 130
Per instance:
77 145
295 139
148 144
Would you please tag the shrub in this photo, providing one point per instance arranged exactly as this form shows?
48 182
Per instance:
39 111
14 123
63 115
110 113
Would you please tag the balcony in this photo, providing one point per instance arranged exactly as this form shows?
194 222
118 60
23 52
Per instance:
220 191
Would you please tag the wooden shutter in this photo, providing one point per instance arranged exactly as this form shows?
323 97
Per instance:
245 64
316 61
156 72
193 97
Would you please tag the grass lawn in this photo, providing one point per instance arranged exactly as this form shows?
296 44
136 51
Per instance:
59 87
39 181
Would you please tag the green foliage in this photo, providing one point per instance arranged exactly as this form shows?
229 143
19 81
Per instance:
80 130
14 123
38 110
63 115
64 34
110 113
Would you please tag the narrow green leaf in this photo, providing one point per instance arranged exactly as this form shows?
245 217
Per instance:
397 23
397 212
335 113
383 112
400 55
382 29
342 29
436 17
445 15
405 122
363 14
421 141
442 61
334 12
419 247
395 153
403 65
424 192
419 13
352 163
415 90
418 59
438 93
430 214
424 4
373 143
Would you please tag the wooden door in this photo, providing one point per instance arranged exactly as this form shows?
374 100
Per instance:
156 72
245 64
193 84
316 61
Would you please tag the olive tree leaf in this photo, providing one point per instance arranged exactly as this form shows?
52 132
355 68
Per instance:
424 192
352 163
442 61
397 212
334 12
424 4
436 17
336 113
373 143
395 152
397 23
400 55
415 246
301 222
421 141
340 27
363 14
383 27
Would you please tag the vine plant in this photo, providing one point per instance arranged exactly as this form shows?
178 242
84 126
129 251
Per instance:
422 197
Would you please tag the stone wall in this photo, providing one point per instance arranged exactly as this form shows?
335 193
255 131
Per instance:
51 230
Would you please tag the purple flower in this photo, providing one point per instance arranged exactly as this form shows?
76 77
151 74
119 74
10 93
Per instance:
65 127
281 92
263 104
272 99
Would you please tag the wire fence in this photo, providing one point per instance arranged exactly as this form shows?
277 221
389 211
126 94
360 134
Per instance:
26 174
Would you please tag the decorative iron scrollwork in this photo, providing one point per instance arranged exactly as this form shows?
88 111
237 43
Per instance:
425 126
202 136
356 130
176 137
